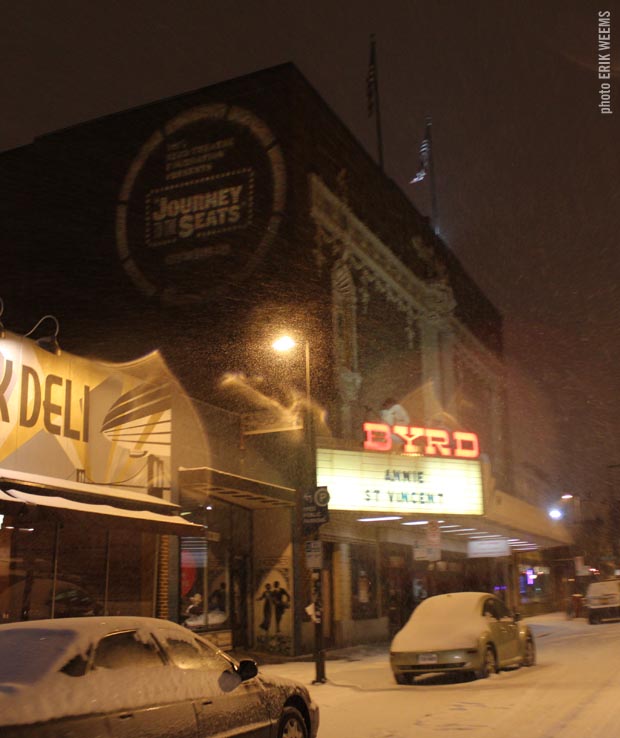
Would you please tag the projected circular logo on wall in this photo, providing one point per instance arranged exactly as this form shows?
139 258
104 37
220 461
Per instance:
201 204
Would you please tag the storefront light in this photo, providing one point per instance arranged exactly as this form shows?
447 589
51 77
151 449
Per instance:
376 520
416 522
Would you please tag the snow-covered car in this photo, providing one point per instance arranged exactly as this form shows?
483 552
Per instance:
471 632
116 677
603 600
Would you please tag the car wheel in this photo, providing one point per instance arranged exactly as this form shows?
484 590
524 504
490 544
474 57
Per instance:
529 657
489 665
592 618
403 678
292 724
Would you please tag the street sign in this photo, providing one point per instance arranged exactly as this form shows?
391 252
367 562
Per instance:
433 533
315 507
314 554
422 552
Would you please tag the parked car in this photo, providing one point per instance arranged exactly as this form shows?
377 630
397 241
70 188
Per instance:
113 677
603 600
31 599
471 632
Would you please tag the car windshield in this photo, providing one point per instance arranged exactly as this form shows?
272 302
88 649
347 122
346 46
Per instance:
27 655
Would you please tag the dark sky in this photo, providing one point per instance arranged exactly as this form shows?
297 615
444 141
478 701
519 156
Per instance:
528 170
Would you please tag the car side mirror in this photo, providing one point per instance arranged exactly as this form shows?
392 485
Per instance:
247 669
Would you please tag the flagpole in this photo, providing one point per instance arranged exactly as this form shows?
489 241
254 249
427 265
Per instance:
431 175
373 77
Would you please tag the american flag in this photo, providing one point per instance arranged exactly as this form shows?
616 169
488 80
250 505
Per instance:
371 78
425 155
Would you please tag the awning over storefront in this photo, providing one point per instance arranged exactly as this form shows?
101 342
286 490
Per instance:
142 519
520 517
19 479
202 482
524 526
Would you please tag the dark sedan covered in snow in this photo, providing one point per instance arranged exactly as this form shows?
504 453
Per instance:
120 677
471 632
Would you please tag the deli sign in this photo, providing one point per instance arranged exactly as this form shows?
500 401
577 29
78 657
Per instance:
31 397
63 414
421 441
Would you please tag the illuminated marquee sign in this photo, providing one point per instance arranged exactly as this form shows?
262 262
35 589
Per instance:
392 483
422 441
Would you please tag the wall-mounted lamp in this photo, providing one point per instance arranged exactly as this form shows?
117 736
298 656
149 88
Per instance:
48 342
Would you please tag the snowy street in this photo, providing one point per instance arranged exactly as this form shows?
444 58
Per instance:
572 691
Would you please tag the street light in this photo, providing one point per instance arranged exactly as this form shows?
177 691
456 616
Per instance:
614 513
284 344
559 511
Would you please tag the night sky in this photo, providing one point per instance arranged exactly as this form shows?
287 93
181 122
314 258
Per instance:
528 169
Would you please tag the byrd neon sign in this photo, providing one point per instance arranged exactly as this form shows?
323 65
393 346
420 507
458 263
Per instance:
422 441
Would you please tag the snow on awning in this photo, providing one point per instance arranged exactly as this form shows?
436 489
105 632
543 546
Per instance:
39 481
155 522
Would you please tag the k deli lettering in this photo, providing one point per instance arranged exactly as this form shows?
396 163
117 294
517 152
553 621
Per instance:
421 441
44 398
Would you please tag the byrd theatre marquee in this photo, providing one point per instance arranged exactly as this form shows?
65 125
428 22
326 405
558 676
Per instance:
374 481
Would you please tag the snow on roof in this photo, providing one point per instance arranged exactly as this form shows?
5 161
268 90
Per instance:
33 690
96 490
443 622
63 503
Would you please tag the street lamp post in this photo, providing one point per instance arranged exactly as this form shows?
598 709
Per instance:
283 344
614 513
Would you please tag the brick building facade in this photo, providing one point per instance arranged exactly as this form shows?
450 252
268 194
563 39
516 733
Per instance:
202 225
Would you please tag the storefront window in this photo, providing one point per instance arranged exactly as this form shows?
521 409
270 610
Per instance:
131 585
363 582
98 570
211 569
81 578
26 573
534 583
193 581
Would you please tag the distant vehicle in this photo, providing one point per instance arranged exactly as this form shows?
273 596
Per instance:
603 600
469 632
115 677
